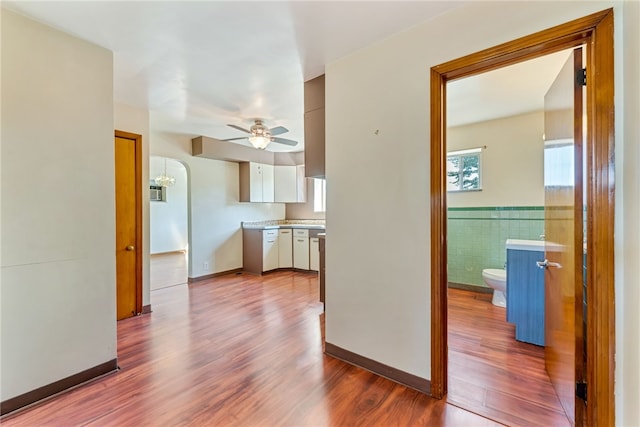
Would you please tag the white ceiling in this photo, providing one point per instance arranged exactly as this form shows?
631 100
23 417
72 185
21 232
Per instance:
199 65
504 92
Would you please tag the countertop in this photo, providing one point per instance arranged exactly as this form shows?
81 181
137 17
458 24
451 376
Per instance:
312 224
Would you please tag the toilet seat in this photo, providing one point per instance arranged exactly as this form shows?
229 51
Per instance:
495 274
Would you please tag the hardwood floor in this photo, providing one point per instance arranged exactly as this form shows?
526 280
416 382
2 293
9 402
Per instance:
246 350
237 350
492 374
168 269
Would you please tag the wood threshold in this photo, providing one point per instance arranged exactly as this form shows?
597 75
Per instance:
470 288
406 379
213 275
182 251
596 32
50 390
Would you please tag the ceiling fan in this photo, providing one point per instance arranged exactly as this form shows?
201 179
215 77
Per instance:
260 136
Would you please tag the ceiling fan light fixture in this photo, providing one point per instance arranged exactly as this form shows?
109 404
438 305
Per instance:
260 142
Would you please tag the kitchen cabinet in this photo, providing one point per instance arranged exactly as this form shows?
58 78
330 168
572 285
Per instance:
270 250
322 271
256 182
314 254
289 184
273 248
314 128
301 249
260 250
285 248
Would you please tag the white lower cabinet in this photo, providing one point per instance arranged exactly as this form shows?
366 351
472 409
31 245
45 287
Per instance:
270 250
285 248
301 249
314 254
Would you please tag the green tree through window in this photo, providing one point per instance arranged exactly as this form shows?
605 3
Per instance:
463 170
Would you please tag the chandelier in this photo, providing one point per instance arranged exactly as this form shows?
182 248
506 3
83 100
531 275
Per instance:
163 179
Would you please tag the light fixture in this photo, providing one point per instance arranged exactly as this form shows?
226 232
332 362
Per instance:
259 141
163 179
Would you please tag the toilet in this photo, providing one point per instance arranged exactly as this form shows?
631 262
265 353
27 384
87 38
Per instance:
496 278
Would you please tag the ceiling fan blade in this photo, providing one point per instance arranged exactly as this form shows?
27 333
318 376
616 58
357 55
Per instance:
285 141
235 139
278 130
239 128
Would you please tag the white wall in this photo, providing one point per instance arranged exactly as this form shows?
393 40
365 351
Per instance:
378 271
628 223
168 219
136 120
215 214
512 164
58 223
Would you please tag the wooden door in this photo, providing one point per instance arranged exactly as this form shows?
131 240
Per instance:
564 233
128 226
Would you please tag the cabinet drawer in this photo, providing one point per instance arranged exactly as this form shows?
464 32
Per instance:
285 231
300 232
270 233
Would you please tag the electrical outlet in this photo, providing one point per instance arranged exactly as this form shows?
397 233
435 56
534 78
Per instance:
205 266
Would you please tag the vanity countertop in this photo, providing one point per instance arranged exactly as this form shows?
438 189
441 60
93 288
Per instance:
525 245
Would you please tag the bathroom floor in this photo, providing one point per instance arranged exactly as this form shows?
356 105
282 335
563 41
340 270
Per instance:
492 374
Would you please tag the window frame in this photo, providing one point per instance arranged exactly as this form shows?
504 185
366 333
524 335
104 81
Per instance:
461 155
319 201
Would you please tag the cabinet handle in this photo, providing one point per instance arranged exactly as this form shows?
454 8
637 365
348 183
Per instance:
270 241
301 240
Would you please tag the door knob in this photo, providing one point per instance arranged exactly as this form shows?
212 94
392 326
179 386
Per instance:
130 248
546 264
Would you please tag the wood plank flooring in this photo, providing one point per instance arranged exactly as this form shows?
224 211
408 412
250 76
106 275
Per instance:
242 350
167 269
237 350
492 374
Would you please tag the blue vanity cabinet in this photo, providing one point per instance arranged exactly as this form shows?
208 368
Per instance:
525 295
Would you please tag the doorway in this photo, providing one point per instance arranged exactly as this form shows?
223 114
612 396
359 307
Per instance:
128 201
496 195
168 223
596 32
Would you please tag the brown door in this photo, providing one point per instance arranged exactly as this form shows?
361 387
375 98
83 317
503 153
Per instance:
128 259
564 233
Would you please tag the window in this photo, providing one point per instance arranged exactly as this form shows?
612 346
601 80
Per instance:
157 193
559 163
319 195
464 170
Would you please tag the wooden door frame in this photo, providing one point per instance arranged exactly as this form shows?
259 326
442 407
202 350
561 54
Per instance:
596 32
137 139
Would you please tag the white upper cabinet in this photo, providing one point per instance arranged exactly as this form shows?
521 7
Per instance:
261 182
268 183
256 182
290 184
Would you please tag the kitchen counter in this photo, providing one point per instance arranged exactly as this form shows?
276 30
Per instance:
311 224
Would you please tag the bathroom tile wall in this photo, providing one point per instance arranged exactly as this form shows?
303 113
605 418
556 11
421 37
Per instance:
477 236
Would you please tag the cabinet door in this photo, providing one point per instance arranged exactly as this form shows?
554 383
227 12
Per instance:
255 182
301 252
314 254
267 183
285 184
301 185
269 250
285 248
